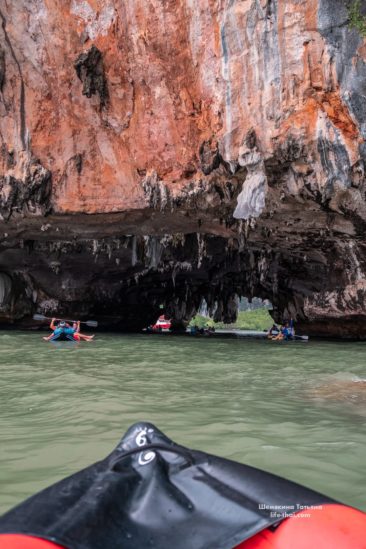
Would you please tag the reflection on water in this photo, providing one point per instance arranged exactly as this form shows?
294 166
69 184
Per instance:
295 410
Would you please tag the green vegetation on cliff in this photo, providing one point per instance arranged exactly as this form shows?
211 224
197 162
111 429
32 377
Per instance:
259 319
356 19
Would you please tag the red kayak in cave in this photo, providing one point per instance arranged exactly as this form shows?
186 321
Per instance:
161 324
151 492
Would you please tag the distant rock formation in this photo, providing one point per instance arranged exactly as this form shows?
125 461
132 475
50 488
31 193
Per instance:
161 153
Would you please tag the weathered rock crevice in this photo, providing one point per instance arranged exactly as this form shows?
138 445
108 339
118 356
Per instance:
90 71
22 116
209 156
2 68
30 196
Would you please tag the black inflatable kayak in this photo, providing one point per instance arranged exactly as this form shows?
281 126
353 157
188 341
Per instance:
151 492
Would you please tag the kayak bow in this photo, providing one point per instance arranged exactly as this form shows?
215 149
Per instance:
151 492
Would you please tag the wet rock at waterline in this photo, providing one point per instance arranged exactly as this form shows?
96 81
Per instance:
335 389
175 152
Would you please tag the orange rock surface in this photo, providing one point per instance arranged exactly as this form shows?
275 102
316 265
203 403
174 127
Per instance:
178 72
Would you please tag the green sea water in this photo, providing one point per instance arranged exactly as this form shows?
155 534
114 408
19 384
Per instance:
297 410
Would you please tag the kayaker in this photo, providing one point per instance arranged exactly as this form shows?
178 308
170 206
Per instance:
285 333
274 331
62 328
77 335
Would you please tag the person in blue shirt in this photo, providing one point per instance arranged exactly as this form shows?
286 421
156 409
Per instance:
62 330
284 334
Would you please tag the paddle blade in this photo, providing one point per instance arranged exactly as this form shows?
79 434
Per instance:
92 323
39 317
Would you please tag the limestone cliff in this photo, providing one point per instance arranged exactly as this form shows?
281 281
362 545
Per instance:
161 152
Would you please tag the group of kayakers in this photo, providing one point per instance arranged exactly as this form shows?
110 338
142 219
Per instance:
285 332
63 330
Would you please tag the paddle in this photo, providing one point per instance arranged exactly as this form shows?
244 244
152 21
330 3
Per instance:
91 323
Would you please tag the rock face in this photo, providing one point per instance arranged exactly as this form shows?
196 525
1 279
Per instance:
157 153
